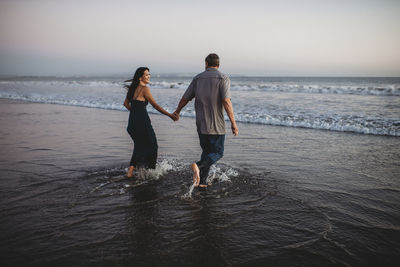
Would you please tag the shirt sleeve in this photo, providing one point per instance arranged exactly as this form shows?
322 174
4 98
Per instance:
225 88
190 92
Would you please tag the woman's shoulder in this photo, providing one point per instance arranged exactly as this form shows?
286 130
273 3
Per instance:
142 89
146 89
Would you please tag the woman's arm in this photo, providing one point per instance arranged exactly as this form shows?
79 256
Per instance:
147 94
127 104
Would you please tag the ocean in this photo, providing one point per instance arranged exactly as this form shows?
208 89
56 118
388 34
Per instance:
362 105
312 179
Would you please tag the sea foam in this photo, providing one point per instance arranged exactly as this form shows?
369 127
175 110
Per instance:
349 105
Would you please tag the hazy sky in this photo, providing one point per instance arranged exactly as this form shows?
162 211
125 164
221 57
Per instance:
309 37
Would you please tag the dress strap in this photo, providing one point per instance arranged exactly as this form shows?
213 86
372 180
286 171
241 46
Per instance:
141 89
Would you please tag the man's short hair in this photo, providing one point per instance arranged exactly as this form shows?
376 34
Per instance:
212 60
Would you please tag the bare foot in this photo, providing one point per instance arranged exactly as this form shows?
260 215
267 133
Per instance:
129 174
196 175
203 185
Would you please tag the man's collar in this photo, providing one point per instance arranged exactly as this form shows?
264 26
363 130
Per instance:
211 68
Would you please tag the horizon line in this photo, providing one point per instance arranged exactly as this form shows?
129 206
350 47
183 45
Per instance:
186 75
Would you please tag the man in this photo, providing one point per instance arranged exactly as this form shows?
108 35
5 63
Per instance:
211 89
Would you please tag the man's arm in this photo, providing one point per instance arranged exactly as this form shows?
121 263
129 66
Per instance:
181 105
229 111
187 96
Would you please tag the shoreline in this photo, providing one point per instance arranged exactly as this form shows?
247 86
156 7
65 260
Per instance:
155 113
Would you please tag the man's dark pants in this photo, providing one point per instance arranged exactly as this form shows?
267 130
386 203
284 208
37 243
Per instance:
213 150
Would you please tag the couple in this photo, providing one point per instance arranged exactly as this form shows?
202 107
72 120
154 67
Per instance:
211 89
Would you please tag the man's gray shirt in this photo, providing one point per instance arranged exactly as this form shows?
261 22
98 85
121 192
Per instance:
209 88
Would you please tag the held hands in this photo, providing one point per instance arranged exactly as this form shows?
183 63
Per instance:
174 116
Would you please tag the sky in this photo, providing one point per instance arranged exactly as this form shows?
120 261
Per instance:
254 38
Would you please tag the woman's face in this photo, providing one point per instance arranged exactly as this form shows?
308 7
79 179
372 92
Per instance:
146 77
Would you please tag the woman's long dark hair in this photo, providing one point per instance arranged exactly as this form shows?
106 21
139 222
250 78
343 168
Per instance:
135 82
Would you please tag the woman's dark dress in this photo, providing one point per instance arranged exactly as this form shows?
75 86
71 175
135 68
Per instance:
143 136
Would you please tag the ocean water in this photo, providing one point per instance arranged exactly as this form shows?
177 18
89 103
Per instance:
311 180
360 105
280 196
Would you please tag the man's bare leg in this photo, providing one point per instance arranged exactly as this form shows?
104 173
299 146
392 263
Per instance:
196 174
129 174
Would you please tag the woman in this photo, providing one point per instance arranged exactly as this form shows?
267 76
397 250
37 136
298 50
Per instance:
139 125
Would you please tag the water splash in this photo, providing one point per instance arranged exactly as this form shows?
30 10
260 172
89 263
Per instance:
217 173
188 195
220 174
161 169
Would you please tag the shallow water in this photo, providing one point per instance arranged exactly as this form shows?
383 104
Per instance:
279 197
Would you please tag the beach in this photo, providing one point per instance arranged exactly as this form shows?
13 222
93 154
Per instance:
311 180
280 196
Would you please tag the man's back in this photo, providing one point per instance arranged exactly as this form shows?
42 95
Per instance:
209 88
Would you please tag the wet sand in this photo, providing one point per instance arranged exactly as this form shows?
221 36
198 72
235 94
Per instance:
280 196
